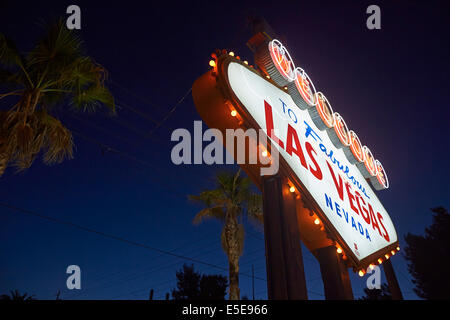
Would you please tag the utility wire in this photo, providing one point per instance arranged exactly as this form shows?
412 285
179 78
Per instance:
136 96
170 112
107 148
124 240
136 111
114 150
136 275
146 116
117 238
144 135
99 128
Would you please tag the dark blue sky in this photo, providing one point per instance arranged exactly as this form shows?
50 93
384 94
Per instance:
390 85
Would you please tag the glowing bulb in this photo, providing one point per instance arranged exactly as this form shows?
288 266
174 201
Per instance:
398 248
268 77
371 266
292 189
264 153
339 250
392 252
380 261
233 113
246 62
386 256
231 53
361 273
317 221
212 63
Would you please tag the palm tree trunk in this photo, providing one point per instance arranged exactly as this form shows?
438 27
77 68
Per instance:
231 236
234 279
4 159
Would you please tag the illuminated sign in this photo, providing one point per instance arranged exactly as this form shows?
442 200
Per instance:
320 163
322 158
277 62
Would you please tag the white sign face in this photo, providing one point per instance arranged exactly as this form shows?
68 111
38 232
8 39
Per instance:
337 186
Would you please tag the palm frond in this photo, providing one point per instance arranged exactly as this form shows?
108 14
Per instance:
58 141
9 79
93 98
9 55
207 213
209 198
254 208
80 73
54 72
57 49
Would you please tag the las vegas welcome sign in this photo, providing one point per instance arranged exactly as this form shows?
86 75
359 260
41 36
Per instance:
328 160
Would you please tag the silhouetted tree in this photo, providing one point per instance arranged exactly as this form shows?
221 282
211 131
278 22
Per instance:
15 295
191 285
188 282
213 287
56 72
228 202
429 257
377 294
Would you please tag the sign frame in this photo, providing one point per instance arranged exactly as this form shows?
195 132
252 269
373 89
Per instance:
221 95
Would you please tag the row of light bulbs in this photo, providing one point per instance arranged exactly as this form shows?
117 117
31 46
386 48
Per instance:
292 189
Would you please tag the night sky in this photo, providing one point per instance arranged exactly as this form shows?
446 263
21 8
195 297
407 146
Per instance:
390 85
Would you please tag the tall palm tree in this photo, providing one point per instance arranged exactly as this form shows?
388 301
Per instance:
15 295
55 73
229 202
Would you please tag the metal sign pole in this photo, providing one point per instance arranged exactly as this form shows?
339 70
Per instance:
336 281
394 288
285 271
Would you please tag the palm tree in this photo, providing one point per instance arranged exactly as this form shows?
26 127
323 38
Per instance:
55 73
229 202
15 295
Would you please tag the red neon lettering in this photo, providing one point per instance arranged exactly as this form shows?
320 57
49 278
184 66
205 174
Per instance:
380 218
351 198
340 186
374 220
362 209
269 124
292 135
317 172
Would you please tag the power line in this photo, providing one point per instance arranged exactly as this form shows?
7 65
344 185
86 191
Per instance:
101 129
145 135
135 276
114 150
170 112
107 148
124 240
136 111
144 115
117 238
126 277
136 96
